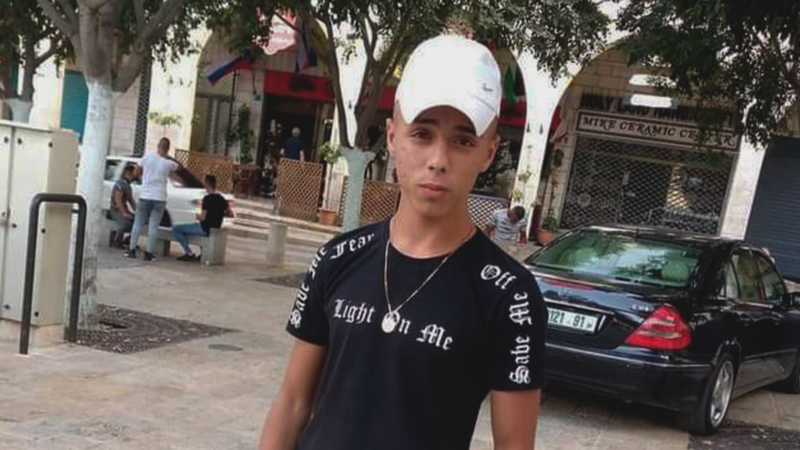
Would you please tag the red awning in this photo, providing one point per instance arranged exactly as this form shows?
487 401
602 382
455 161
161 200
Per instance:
306 87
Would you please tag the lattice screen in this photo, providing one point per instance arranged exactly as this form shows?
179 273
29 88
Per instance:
200 164
386 197
614 182
379 201
299 188
481 208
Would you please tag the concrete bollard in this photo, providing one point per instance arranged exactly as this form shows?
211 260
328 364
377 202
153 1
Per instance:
276 244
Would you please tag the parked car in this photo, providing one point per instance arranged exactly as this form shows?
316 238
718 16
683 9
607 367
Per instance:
184 190
670 319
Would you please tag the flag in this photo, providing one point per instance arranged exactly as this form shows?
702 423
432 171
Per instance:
508 86
216 72
306 57
282 36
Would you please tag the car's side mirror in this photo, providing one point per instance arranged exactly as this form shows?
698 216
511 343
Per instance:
793 299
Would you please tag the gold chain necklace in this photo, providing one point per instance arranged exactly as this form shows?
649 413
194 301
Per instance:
392 318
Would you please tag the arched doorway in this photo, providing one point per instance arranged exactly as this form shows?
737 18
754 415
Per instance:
619 152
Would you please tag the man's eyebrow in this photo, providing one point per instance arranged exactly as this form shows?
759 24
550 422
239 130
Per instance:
468 130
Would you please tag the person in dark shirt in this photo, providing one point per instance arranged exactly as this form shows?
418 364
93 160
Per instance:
214 209
403 328
293 148
122 206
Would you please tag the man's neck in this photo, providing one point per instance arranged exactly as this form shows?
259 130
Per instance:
421 237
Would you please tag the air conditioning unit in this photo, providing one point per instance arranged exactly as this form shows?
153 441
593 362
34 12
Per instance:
35 160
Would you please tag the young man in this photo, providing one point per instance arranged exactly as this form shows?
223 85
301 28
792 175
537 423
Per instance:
507 227
403 328
293 147
122 205
155 170
213 211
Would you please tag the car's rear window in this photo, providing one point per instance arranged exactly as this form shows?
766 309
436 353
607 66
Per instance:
620 257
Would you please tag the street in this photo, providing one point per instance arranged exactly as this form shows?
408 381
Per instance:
213 392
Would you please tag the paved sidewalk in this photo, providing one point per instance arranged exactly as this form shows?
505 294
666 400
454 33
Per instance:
196 395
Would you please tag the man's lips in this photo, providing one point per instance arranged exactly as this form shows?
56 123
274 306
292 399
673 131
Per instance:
433 187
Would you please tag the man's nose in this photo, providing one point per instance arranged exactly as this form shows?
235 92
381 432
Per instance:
438 161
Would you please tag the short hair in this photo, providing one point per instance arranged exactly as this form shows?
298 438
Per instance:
296 132
129 168
211 181
519 211
165 142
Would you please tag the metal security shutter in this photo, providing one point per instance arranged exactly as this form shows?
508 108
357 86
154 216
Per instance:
775 218
74 103
615 182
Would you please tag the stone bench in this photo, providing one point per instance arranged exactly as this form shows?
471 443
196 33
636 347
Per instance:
213 246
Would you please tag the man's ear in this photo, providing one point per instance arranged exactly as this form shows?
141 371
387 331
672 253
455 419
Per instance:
491 153
390 135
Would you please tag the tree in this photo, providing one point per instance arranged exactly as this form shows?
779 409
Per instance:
111 40
728 55
386 31
25 28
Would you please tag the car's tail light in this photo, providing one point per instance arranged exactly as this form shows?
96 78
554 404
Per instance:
663 330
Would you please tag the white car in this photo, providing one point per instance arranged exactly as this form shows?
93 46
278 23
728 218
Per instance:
184 191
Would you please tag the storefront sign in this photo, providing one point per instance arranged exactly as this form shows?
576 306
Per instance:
650 130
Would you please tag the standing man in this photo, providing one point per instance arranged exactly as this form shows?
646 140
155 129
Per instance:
507 227
121 200
155 170
293 148
213 211
403 328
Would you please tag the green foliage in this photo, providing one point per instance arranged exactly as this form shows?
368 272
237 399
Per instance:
732 56
24 28
111 39
524 176
243 134
165 119
330 153
550 223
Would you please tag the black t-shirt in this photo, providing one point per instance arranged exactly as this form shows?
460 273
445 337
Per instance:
215 206
478 325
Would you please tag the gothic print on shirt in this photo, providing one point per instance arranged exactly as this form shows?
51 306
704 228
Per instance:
478 325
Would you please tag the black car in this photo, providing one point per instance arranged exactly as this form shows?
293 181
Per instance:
669 319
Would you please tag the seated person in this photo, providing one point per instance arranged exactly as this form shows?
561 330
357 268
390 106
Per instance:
214 209
507 227
121 199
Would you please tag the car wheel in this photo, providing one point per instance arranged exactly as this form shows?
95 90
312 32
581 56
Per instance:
792 384
713 407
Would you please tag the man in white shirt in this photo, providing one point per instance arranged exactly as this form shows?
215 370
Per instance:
507 227
155 169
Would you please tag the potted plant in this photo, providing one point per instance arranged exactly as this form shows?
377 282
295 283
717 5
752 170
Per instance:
330 154
548 229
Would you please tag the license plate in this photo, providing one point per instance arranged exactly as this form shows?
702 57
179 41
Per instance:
568 319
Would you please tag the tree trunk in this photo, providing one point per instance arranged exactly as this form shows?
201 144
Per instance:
357 161
20 110
90 184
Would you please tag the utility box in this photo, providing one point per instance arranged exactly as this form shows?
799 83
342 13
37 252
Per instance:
35 160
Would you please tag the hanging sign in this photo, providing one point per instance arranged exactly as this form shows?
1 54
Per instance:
651 130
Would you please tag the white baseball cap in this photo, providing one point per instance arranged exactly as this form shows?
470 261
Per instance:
451 71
